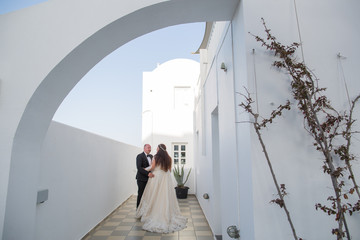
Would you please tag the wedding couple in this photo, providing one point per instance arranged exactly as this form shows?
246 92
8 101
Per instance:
157 204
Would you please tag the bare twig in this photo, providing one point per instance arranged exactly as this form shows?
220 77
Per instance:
323 123
257 126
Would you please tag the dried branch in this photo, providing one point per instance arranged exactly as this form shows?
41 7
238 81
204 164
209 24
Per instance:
281 191
323 123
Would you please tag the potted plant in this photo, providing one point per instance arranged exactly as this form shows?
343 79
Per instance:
181 189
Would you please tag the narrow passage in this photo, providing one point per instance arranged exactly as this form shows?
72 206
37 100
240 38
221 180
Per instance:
122 224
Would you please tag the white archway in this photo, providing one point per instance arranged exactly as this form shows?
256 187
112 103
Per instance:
64 40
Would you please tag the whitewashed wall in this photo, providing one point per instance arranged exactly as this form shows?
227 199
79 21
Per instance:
88 176
327 28
217 167
323 27
204 165
162 121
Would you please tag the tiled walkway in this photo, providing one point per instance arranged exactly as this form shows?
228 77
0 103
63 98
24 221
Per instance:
122 224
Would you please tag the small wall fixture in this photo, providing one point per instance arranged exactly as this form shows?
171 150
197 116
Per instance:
206 196
223 67
233 232
42 196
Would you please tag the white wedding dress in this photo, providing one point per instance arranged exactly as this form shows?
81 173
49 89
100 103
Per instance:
159 209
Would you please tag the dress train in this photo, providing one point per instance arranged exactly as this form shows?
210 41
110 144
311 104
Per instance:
159 209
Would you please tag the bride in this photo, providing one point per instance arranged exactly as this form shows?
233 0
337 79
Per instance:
159 209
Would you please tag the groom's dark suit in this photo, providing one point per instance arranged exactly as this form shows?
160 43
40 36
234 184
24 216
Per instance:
141 175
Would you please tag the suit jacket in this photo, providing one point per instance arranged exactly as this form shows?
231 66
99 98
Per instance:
141 163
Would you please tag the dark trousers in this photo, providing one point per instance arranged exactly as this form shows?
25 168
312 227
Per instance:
141 187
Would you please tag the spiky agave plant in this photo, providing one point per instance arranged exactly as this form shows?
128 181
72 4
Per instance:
179 175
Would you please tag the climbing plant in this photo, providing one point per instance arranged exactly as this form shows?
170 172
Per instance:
331 131
258 126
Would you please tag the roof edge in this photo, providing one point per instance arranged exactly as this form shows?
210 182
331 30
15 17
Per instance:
205 40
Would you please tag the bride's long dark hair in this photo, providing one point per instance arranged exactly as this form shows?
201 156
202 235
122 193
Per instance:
162 158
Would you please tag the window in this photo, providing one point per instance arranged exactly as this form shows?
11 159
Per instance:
179 153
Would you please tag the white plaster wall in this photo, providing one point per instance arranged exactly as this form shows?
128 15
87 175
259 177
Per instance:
204 166
323 31
218 96
326 29
215 41
244 143
88 176
162 122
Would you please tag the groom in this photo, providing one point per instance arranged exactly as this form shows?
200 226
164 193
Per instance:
143 160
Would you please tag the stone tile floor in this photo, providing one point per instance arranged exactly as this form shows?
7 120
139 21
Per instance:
122 224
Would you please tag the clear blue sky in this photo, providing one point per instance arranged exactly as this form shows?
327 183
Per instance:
108 100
